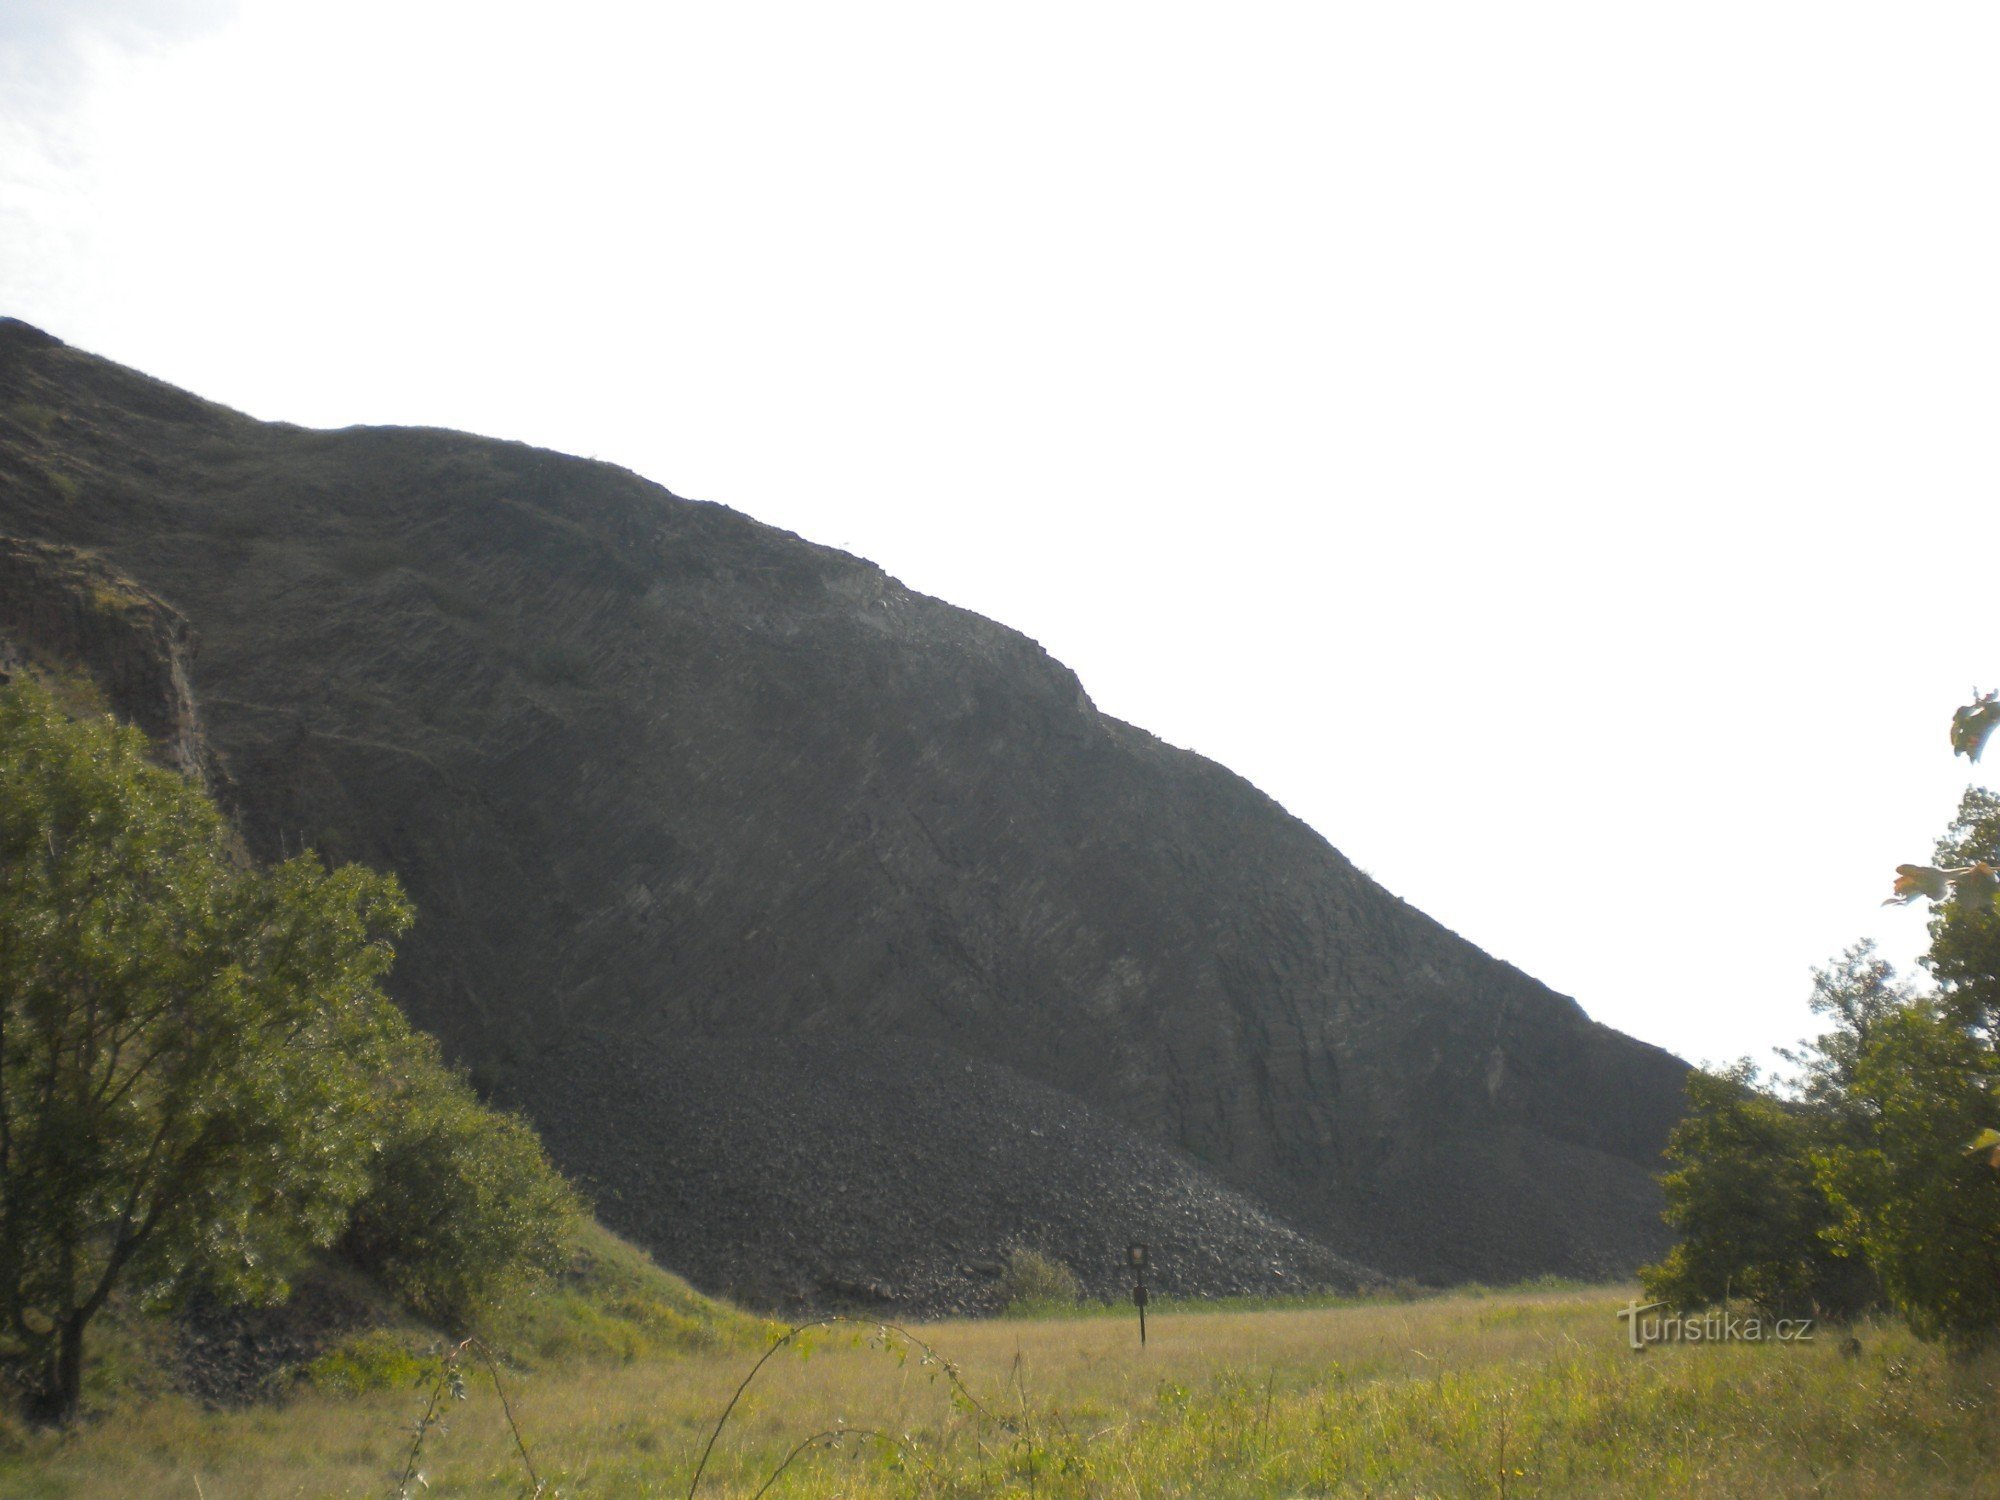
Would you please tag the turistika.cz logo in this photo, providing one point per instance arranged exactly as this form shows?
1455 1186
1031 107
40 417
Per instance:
1652 1324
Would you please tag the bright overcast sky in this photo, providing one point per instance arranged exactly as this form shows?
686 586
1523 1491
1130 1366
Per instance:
1549 448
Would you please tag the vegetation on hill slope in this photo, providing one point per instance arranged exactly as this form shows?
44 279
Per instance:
200 1079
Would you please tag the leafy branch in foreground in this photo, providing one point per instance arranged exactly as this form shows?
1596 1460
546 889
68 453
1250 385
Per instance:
1975 885
1973 724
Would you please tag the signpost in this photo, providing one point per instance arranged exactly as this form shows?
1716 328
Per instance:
1135 1256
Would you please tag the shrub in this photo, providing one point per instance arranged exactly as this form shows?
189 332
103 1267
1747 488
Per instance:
463 1208
1752 1216
1034 1283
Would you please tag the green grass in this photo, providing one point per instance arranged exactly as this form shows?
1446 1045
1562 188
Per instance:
1398 1292
613 1306
1519 1394
616 1307
377 1359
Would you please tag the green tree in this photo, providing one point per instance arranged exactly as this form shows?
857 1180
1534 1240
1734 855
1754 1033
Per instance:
1895 1116
1911 1201
1750 1212
1858 994
1923 1209
463 1208
1965 934
186 1041
1747 1191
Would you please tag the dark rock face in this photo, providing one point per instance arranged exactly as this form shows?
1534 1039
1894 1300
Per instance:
64 608
674 791
231 1356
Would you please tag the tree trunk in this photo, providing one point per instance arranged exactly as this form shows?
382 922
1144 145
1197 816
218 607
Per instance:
65 1391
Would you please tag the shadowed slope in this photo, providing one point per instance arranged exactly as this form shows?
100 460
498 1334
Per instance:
654 771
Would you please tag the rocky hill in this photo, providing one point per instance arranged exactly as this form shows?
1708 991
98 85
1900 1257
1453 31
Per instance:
827 930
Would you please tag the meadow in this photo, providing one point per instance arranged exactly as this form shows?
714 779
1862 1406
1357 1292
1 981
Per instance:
1509 1394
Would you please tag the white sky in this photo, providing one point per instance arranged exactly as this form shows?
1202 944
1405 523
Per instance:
1549 447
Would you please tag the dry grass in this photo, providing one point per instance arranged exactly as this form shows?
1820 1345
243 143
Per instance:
1530 1394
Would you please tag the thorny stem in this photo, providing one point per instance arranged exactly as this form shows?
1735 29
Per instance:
423 1430
835 1434
520 1443
428 1420
950 1370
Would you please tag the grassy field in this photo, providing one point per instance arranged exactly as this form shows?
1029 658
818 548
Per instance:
1505 1394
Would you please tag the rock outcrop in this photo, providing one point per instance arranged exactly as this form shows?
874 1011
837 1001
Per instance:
64 609
673 790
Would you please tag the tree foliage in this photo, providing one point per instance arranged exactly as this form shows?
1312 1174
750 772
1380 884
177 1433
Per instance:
1738 1173
463 1208
186 1041
1887 1158
1749 1209
1973 725
201 1080
1914 1197
1965 935
1911 1201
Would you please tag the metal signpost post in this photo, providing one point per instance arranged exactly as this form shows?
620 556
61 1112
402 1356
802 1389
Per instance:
1135 1256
